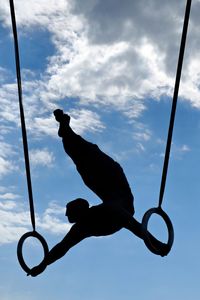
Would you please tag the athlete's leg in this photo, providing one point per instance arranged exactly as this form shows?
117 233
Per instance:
75 146
135 227
125 219
100 173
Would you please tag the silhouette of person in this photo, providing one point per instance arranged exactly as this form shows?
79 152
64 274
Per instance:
106 179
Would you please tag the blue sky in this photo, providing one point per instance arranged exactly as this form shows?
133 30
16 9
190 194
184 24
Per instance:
111 65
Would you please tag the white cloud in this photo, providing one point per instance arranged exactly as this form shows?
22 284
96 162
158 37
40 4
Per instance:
81 120
140 147
41 157
15 221
54 220
85 120
185 148
7 189
6 164
44 125
3 189
142 136
37 12
6 149
4 75
101 62
9 196
118 63
9 108
177 151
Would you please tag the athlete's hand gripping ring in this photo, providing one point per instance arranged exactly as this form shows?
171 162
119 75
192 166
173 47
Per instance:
165 249
36 235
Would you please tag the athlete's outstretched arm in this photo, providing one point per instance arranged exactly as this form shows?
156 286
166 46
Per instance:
73 237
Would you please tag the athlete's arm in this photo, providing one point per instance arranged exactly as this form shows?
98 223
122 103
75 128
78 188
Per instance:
76 234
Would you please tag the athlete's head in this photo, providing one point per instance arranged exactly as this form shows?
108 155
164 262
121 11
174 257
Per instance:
76 209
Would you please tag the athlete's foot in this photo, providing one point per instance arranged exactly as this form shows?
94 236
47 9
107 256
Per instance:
58 113
63 119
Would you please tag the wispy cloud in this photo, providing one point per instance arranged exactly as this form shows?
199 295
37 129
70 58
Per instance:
6 167
142 136
6 149
185 148
15 220
51 222
177 151
7 163
85 120
9 196
41 157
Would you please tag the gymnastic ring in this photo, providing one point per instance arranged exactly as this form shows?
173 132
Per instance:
150 246
36 235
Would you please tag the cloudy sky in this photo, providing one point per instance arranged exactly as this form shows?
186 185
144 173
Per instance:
111 65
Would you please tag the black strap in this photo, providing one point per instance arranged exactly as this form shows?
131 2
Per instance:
23 125
174 102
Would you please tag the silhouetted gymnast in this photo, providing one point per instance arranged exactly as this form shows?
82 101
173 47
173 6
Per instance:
106 179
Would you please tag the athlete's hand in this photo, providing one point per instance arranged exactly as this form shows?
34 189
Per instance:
37 270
